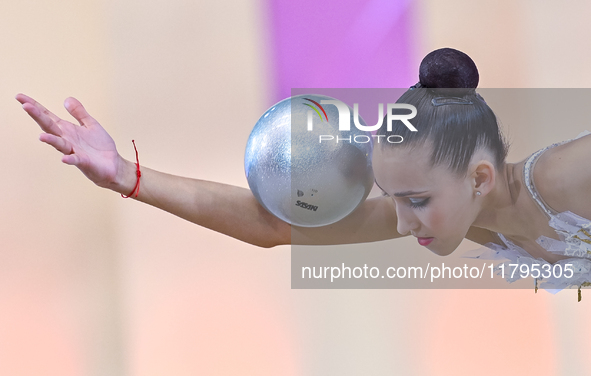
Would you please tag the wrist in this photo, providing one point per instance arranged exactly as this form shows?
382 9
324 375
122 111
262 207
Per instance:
126 177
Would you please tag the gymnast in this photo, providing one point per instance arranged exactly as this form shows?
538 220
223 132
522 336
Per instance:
447 182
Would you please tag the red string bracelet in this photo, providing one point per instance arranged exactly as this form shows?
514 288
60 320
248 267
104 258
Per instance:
138 173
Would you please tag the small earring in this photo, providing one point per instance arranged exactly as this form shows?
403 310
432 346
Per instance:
478 193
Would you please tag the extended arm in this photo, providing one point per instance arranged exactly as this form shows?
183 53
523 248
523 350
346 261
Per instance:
234 211
231 210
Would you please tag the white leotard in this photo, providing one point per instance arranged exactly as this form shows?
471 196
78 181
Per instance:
575 241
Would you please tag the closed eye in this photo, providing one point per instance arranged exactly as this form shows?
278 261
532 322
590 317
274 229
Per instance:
418 203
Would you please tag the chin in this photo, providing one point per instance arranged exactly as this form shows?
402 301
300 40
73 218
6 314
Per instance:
443 250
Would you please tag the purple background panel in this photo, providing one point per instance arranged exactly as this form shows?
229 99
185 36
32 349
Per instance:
360 43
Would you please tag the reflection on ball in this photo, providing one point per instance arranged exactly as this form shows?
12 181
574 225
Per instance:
299 178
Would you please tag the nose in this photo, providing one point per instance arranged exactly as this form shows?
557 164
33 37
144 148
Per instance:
406 220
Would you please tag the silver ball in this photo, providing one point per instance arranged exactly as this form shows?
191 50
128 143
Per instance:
296 177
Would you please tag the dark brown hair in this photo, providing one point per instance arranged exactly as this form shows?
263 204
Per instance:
451 116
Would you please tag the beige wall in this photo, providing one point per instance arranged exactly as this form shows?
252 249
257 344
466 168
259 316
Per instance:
524 43
91 284
59 294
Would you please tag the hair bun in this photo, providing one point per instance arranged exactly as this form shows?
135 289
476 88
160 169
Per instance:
448 68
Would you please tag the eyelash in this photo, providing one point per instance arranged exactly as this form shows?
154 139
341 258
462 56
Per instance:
418 205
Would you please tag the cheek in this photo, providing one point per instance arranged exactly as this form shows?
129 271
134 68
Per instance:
434 218
439 218
447 218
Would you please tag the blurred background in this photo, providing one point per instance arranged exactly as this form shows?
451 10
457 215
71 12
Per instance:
92 284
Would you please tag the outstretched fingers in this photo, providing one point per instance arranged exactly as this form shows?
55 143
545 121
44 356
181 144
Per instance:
63 146
77 110
22 98
44 120
60 144
71 159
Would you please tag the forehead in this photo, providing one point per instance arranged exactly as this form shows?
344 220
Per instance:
398 169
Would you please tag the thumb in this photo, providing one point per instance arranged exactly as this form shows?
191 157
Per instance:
77 110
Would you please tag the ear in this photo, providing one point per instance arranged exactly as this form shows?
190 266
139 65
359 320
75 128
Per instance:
483 176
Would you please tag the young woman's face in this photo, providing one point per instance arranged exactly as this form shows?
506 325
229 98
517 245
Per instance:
432 204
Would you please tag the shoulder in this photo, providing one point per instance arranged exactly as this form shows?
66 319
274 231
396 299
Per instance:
482 236
563 177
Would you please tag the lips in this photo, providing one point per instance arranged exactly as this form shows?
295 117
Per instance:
425 241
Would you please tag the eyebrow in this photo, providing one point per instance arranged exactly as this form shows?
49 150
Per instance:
400 194
408 193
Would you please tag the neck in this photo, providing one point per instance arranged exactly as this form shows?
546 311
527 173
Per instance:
508 209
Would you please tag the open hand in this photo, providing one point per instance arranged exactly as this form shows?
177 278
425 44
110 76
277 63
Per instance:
87 145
